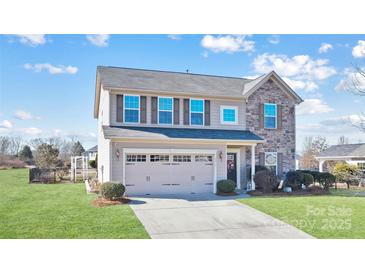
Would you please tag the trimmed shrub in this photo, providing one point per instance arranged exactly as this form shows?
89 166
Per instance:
226 186
307 179
294 179
257 169
266 181
326 180
93 163
112 190
314 173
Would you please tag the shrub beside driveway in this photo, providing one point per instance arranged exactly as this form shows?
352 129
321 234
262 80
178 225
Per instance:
59 211
323 217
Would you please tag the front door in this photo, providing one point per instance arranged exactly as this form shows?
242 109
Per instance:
232 167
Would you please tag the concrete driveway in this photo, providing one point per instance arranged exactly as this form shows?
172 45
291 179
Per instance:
208 217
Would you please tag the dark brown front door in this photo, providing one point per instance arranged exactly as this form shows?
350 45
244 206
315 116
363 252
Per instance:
232 167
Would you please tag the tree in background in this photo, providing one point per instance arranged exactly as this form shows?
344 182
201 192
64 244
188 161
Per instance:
77 149
342 140
26 154
47 156
311 148
10 145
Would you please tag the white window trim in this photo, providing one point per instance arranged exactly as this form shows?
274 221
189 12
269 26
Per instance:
139 108
276 116
276 164
158 110
235 108
190 112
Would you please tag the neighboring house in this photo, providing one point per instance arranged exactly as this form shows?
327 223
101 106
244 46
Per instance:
170 132
91 153
350 153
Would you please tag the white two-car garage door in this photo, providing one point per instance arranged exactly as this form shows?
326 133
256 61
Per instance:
168 174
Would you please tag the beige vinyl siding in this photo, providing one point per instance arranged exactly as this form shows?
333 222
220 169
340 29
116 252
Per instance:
215 105
104 144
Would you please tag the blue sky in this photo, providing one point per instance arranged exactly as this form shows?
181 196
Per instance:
47 82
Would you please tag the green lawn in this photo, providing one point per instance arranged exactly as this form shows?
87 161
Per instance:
59 211
324 217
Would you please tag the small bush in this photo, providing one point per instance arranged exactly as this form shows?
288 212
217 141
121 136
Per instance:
314 173
93 163
294 179
266 181
317 190
226 186
257 169
345 173
112 190
326 180
307 179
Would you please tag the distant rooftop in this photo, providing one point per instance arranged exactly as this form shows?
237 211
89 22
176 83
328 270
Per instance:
348 150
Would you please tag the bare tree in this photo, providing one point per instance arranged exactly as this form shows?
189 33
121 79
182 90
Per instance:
342 140
15 145
4 145
311 148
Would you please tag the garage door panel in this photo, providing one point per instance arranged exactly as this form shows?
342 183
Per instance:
172 177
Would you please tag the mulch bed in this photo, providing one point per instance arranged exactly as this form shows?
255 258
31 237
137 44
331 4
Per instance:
101 202
227 194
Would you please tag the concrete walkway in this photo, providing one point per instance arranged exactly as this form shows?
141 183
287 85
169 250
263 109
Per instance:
208 216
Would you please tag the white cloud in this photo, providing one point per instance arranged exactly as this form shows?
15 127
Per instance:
205 54
274 39
32 39
351 80
99 40
6 124
313 106
24 115
325 47
31 131
227 43
174 36
51 68
301 85
359 50
299 66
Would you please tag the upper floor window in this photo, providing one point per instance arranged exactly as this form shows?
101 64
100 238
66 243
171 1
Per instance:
229 115
131 108
270 115
196 111
165 109
271 161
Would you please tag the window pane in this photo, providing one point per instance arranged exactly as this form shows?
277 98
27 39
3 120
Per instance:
229 115
131 101
131 115
196 105
165 117
197 118
270 110
165 104
270 122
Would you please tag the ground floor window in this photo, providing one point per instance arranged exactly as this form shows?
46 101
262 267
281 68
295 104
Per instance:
361 166
159 158
182 158
271 161
136 158
203 158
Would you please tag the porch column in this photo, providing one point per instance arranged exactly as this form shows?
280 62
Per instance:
321 162
252 166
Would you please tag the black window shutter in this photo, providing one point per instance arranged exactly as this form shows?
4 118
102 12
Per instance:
186 111
143 114
120 108
176 111
207 112
154 110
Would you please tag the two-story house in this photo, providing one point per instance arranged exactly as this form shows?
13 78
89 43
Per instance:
163 132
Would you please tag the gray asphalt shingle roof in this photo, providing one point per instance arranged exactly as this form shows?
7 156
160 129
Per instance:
165 81
176 133
355 150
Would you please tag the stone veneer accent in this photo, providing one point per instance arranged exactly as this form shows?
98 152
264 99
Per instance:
277 140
